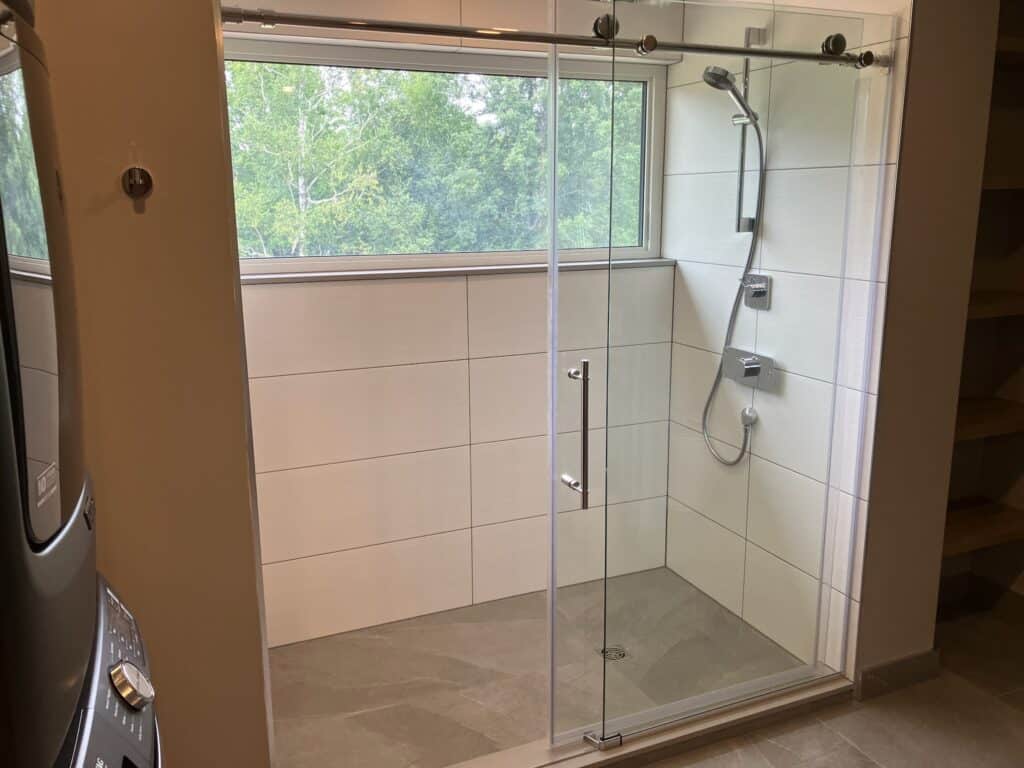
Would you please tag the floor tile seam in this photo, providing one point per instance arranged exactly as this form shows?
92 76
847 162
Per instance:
853 744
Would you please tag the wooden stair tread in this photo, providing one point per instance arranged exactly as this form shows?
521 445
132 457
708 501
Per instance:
989 304
981 417
981 523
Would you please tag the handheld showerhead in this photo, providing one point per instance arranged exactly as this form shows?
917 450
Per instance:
722 79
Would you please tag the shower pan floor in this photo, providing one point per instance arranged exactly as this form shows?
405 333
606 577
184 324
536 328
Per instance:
439 689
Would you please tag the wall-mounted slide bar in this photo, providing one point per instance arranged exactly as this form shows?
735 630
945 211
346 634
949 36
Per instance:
271 19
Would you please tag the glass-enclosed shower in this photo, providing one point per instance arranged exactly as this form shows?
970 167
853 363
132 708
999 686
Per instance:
573 468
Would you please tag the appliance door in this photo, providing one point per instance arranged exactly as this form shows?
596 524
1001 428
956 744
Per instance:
47 557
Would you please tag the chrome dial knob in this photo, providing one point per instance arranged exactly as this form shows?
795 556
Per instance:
132 684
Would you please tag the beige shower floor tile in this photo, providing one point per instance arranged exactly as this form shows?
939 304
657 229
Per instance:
440 689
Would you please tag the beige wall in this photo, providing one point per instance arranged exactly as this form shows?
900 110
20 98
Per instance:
937 197
165 382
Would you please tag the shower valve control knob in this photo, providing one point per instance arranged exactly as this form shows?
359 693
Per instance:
751 367
132 685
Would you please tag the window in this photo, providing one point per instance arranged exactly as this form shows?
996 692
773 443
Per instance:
350 160
19 182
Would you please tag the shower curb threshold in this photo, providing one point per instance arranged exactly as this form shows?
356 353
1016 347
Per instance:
670 739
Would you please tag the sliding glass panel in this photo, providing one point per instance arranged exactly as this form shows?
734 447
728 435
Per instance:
721 377
585 205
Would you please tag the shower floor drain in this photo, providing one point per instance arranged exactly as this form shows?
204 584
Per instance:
614 653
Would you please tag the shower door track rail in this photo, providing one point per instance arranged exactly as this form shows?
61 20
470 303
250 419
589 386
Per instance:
646 44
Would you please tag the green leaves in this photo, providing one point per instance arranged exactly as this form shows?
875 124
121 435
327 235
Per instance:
19 180
338 161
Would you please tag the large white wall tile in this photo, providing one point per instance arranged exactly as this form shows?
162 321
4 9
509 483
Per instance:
509 397
341 506
704 484
637 461
879 111
869 227
793 424
799 331
853 441
638 383
881 18
40 400
576 17
812 115
707 555
37 330
847 521
701 136
717 25
636 536
782 602
483 14
330 417
693 372
797 29
510 480
328 326
704 297
508 314
840 635
787 515
510 558
805 212
636 540
324 595
583 309
580 546
640 305
699 217
860 345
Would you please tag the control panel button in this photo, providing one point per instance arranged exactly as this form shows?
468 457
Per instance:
132 684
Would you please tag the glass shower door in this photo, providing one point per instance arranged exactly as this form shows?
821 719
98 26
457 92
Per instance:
717 387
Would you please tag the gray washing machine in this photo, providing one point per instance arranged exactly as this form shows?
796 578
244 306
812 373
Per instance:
75 684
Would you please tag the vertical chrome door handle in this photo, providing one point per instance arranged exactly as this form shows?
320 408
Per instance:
582 486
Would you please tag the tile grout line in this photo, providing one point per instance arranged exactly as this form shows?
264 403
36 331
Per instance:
462 529
454 447
668 437
443 361
785 169
780 270
469 422
848 741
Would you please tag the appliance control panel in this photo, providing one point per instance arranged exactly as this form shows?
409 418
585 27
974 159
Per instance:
117 726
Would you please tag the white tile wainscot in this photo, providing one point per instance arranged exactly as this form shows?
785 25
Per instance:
406 418
788 523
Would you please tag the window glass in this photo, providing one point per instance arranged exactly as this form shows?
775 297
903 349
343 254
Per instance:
332 161
19 182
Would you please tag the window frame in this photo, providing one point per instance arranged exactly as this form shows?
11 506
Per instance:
277 49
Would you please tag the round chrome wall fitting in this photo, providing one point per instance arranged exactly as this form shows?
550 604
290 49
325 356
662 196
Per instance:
834 45
646 44
606 27
137 182
866 59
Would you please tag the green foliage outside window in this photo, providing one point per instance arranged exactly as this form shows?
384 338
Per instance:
333 161
19 182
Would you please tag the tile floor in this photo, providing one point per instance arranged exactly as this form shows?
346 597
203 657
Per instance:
440 689
431 691
971 716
